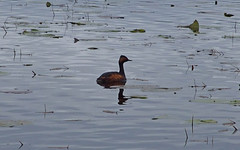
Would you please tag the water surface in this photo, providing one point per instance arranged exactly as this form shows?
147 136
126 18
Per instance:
49 98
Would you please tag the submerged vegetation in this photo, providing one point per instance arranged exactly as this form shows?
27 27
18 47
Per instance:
204 121
13 123
217 101
40 33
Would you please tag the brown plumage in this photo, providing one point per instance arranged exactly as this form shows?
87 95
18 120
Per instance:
108 79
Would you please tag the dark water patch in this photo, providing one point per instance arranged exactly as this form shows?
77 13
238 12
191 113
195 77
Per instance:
111 17
228 15
161 117
94 39
28 65
207 12
77 23
16 91
93 48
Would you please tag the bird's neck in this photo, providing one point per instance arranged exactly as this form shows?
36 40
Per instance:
121 69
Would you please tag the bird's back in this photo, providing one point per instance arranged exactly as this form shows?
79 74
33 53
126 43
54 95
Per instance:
111 78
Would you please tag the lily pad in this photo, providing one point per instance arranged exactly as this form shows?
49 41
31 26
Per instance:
138 31
166 36
194 26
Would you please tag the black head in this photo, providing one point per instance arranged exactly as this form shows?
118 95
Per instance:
123 59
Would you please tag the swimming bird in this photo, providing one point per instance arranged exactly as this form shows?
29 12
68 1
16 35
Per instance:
108 79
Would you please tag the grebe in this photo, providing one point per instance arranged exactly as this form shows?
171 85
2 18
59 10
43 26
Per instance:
108 79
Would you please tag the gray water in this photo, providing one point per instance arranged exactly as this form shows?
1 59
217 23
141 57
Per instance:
176 76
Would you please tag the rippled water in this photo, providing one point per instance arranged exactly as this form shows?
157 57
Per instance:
49 98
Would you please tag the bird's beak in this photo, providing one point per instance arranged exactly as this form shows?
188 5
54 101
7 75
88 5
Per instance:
129 60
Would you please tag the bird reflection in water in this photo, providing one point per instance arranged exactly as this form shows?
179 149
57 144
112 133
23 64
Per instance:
121 98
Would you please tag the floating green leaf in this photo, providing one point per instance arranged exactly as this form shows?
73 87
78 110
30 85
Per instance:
35 30
138 31
207 121
194 26
40 33
166 36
